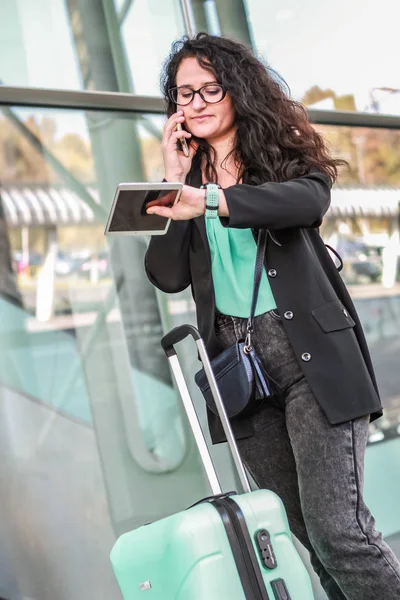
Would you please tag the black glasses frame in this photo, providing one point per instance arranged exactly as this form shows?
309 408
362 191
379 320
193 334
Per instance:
194 92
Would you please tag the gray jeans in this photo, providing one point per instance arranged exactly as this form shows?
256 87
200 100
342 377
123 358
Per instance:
317 469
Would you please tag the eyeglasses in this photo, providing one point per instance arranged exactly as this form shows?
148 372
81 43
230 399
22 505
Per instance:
210 93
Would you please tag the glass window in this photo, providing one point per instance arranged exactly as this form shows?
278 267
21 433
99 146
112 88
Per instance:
72 44
85 392
363 226
28 30
148 31
333 55
86 395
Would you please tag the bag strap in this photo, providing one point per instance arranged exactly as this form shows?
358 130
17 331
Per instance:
340 267
258 269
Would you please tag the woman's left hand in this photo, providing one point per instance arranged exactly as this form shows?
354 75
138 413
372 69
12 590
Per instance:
191 204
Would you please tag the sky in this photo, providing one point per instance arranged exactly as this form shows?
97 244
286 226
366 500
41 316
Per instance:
349 46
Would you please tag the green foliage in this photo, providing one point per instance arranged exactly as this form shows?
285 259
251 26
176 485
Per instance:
20 162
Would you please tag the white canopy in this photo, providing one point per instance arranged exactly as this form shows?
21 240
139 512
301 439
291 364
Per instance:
35 204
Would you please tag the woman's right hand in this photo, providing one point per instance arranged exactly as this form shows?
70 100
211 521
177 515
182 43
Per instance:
176 164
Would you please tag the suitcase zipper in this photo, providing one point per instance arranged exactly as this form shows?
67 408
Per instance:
242 549
243 530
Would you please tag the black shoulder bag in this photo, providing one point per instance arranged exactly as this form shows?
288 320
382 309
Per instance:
242 380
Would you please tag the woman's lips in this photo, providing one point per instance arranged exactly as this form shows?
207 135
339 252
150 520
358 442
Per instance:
201 118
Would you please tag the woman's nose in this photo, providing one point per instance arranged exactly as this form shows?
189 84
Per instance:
198 102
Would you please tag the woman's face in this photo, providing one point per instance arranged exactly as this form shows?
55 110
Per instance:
207 121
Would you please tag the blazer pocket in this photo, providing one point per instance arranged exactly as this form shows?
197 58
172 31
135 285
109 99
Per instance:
332 317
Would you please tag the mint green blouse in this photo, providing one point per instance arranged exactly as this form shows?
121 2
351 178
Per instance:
233 258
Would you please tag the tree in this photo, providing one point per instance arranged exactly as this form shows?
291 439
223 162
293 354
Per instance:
316 94
21 163
373 155
76 155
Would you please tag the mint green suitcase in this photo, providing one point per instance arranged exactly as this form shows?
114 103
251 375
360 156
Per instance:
228 546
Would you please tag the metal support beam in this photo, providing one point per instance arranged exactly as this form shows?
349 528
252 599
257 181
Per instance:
105 101
340 118
121 67
233 20
99 211
124 11
128 103
188 17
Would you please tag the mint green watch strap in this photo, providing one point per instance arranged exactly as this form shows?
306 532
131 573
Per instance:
212 200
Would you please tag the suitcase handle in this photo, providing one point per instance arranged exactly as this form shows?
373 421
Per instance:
176 335
168 341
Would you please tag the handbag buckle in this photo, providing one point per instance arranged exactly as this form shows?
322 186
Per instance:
247 343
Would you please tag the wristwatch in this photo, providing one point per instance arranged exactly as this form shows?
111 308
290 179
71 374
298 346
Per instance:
212 199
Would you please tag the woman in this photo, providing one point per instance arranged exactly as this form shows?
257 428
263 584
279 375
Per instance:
246 135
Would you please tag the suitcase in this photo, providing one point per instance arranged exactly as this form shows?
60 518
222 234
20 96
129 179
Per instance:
227 546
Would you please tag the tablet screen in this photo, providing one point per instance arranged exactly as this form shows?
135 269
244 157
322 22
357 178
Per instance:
130 210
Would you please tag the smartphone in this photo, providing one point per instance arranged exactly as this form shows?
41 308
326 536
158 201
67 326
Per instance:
183 142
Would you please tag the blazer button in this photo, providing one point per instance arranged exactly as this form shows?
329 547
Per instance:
288 315
306 356
346 314
272 273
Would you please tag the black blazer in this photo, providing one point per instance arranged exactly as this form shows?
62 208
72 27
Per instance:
303 278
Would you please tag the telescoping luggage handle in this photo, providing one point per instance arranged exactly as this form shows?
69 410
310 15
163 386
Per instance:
168 342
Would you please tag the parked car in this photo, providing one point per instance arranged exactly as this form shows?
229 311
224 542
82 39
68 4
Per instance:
66 264
362 262
28 266
98 262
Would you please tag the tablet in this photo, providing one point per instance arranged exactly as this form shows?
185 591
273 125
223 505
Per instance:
128 211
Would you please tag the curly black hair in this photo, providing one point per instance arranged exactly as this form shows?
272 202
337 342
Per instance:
275 140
